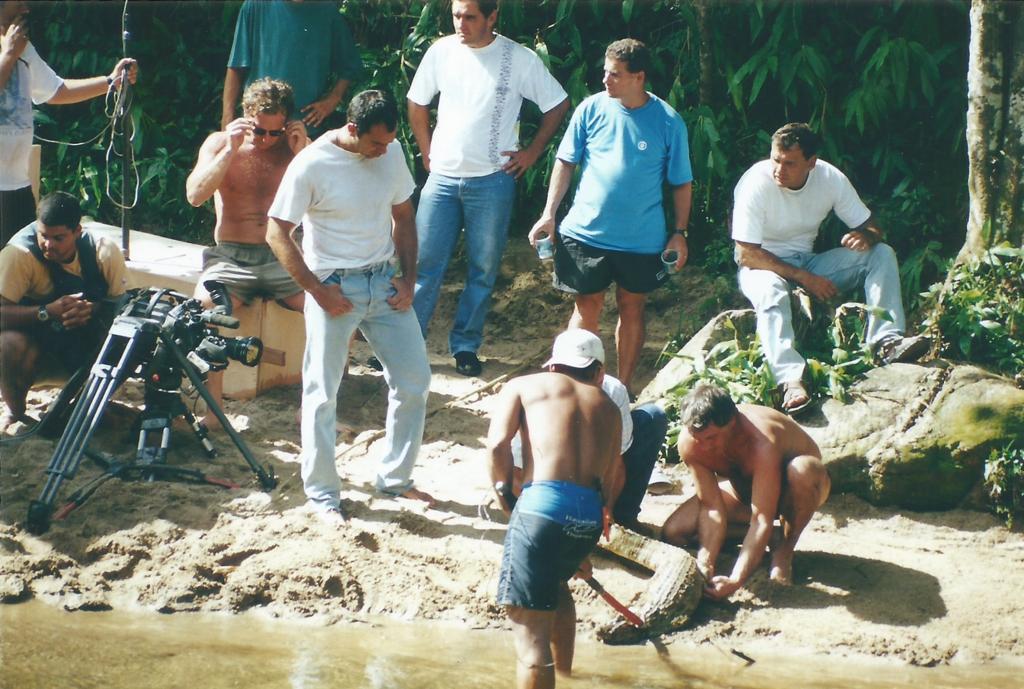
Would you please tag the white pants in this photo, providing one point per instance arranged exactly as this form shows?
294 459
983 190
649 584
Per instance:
876 269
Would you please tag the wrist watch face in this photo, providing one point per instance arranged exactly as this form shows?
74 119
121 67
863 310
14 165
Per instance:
42 314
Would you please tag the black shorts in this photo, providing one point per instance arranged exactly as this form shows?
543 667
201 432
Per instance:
584 269
72 348
539 555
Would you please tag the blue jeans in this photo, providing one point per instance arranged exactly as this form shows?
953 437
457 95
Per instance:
649 427
876 269
483 205
396 340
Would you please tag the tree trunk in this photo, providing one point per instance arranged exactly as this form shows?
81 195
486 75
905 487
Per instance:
995 125
708 83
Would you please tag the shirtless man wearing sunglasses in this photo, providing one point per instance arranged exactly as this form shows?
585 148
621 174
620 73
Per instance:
241 168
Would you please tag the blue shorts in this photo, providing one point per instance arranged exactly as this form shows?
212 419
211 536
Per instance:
553 527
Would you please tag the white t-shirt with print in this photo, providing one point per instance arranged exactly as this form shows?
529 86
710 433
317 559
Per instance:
482 91
785 220
31 81
344 202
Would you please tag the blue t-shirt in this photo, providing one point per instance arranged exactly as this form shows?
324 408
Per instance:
300 43
626 157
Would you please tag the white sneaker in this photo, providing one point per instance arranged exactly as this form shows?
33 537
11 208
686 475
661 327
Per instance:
659 483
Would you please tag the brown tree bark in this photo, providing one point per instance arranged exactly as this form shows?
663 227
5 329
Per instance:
706 52
995 125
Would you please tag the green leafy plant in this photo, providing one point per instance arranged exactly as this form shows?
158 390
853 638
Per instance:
978 311
921 268
1004 482
836 355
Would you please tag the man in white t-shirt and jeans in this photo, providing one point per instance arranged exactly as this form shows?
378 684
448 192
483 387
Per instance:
473 158
351 191
779 205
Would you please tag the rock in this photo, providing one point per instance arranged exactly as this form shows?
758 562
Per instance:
672 595
13 588
917 436
722 327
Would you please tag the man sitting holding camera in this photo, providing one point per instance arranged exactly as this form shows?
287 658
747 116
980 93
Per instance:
53 277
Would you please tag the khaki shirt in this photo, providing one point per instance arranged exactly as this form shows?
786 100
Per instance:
23 276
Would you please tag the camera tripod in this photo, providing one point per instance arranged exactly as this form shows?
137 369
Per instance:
149 346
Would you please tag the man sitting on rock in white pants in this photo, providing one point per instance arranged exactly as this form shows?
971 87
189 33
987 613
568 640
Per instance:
779 205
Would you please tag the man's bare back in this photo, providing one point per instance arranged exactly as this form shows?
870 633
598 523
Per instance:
570 430
571 435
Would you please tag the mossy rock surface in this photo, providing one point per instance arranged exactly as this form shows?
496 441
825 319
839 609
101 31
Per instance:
917 436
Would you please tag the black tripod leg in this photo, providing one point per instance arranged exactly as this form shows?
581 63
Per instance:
100 387
266 476
50 424
200 430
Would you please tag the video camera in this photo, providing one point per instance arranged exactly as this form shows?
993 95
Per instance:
164 315
161 337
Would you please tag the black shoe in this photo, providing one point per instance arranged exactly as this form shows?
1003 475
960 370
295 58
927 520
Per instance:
901 350
467 364
374 363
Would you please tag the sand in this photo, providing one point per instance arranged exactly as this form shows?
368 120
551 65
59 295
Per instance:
922 589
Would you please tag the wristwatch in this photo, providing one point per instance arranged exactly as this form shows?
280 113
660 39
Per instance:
683 231
43 315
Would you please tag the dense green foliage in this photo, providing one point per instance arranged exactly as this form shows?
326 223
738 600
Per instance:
181 49
884 82
979 312
1004 481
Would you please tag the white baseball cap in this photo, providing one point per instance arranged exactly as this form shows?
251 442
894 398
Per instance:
577 348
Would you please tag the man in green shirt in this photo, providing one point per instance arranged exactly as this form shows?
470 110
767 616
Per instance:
304 44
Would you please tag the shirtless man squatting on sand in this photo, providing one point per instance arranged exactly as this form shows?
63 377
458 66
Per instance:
752 465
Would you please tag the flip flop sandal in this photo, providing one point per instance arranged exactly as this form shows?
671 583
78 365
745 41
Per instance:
792 393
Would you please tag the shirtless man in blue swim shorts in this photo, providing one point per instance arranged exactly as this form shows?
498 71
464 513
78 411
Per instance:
571 433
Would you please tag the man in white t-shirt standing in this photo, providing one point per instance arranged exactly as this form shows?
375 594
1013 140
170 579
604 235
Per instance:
351 191
473 157
779 205
25 79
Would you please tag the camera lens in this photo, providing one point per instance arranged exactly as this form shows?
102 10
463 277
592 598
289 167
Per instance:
248 350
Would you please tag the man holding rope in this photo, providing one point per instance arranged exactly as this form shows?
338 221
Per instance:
571 434
25 79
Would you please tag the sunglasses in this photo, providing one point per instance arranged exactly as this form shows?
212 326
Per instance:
260 131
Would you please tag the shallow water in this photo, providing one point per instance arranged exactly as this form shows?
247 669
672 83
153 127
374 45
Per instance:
42 647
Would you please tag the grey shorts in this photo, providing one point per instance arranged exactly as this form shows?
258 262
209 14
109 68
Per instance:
248 271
